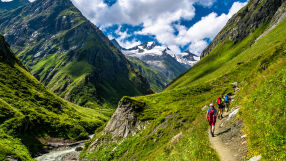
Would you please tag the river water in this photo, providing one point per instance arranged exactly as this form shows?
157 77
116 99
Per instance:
59 154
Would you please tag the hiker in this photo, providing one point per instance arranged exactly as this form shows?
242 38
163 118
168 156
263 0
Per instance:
220 107
226 102
222 101
211 116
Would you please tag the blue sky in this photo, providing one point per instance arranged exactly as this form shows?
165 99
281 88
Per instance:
179 24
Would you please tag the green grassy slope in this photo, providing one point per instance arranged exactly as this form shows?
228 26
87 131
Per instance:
259 68
155 78
70 55
28 111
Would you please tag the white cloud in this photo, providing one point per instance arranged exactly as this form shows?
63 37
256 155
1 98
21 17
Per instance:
12 0
128 44
121 39
135 12
207 27
197 46
157 18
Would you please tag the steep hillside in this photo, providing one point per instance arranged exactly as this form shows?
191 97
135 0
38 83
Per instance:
69 54
245 22
28 112
10 5
156 79
171 125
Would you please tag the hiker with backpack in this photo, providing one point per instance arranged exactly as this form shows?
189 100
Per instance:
211 116
226 102
222 100
220 107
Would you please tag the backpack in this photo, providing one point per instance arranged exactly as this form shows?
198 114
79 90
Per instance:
211 114
226 98
218 101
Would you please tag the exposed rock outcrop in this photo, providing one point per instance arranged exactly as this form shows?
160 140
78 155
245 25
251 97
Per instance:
122 124
124 121
279 16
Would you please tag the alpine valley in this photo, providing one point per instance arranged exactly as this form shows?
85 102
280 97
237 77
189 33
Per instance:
61 79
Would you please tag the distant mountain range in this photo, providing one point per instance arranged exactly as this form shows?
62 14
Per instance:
69 54
161 59
152 49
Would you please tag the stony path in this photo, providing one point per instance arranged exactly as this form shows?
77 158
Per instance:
222 149
230 142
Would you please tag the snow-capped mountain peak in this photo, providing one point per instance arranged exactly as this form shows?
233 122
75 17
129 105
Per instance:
148 48
188 58
152 50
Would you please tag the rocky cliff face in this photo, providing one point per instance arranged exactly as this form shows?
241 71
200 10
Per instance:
124 121
122 124
245 22
69 54
279 16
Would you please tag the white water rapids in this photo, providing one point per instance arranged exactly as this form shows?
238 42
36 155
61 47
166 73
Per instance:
55 155
59 154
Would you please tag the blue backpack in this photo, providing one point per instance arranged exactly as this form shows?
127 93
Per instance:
226 98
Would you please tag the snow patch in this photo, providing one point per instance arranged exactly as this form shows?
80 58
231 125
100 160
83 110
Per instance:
256 158
149 44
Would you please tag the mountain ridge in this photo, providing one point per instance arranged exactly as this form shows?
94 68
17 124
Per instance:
70 55
157 63
248 21
162 58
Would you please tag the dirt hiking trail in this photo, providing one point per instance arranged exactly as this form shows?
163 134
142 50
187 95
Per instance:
229 141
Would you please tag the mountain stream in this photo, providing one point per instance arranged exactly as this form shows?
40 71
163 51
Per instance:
67 153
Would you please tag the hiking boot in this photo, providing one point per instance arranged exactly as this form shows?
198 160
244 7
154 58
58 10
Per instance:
212 134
